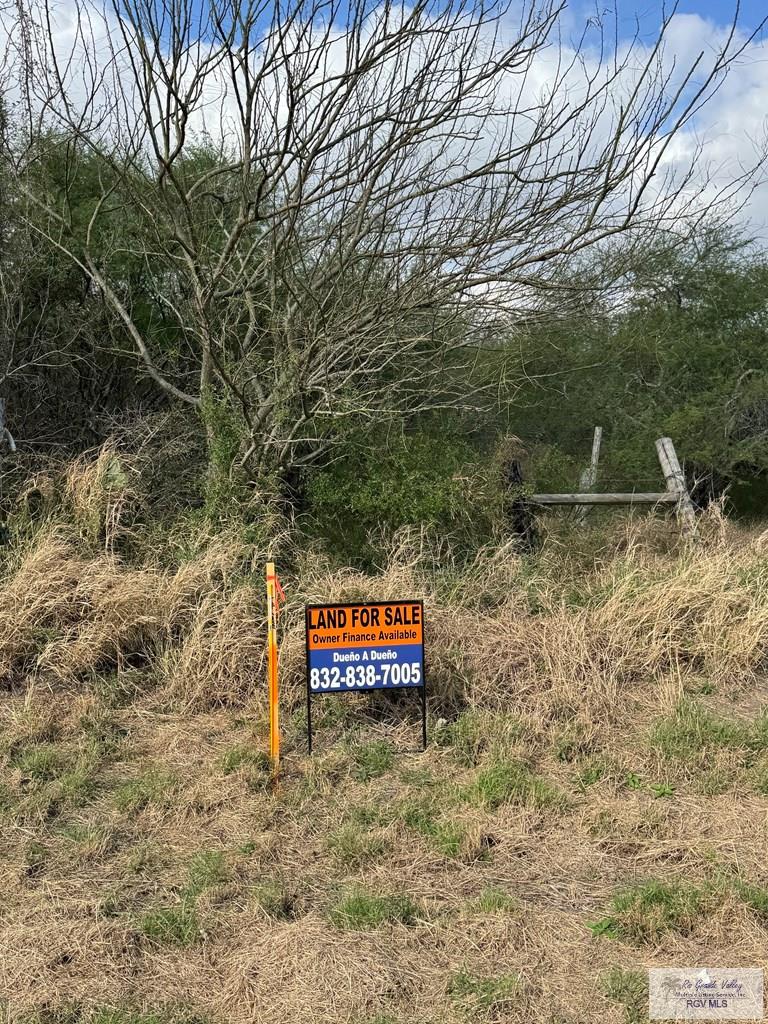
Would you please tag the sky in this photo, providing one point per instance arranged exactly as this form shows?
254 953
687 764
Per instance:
731 131
751 12
734 124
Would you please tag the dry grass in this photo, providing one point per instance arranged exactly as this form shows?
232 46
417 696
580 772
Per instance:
595 799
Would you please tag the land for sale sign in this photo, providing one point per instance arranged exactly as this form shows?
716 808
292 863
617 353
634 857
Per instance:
369 646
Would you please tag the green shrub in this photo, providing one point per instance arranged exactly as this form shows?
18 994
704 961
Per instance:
415 480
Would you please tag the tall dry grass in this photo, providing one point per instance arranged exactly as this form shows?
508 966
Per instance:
552 636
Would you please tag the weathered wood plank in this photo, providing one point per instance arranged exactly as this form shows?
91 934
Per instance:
673 474
632 498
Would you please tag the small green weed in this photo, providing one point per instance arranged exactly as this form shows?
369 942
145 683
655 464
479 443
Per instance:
661 789
359 911
590 774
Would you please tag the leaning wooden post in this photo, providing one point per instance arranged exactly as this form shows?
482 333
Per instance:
673 474
588 478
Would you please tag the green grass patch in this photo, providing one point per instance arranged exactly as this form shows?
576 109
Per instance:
754 896
363 911
124 1016
630 990
645 912
77 1014
476 994
276 901
207 869
571 743
692 729
513 782
474 733
7 802
42 763
444 835
372 760
172 926
495 901
153 787
88 842
243 757
353 845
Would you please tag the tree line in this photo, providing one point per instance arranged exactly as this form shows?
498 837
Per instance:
347 248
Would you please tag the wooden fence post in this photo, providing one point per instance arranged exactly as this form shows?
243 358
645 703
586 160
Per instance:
673 474
588 478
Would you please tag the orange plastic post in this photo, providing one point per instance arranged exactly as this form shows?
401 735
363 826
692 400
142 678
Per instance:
274 711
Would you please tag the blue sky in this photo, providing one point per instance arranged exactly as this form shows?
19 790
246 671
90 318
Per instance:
751 12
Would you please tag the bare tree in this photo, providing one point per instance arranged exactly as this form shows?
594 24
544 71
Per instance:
335 206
